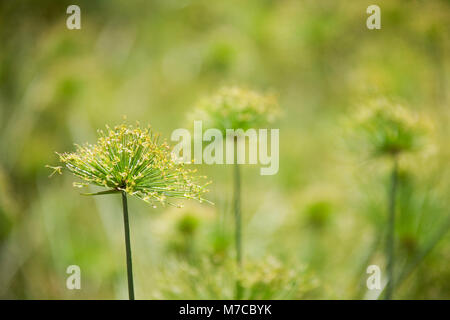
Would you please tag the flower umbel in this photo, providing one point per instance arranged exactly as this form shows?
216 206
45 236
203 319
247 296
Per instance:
132 160
237 108
391 129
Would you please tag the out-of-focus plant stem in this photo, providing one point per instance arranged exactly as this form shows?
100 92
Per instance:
128 247
237 214
390 254
407 270
237 219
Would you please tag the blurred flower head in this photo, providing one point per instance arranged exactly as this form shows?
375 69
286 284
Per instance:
183 230
237 108
319 213
262 279
268 278
390 129
132 159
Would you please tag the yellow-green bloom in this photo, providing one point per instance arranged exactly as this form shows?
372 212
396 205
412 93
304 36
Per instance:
390 129
132 160
236 108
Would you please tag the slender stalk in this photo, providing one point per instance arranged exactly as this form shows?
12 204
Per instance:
391 231
237 214
428 247
128 247
237 218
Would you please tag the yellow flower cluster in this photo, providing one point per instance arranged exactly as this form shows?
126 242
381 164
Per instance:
391 129
132 160
237 108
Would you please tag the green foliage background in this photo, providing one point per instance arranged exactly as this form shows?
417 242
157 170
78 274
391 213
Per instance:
309 232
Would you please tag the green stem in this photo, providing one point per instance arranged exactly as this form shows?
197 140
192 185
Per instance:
128 247
237 219
391 232
237 214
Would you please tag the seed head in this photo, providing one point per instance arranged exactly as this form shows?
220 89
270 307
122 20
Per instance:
237 108
390 129
132 160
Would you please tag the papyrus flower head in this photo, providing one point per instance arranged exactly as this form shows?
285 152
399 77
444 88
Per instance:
132 159
390 129
236 108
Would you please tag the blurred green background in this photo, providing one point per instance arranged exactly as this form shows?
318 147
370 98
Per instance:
309 232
